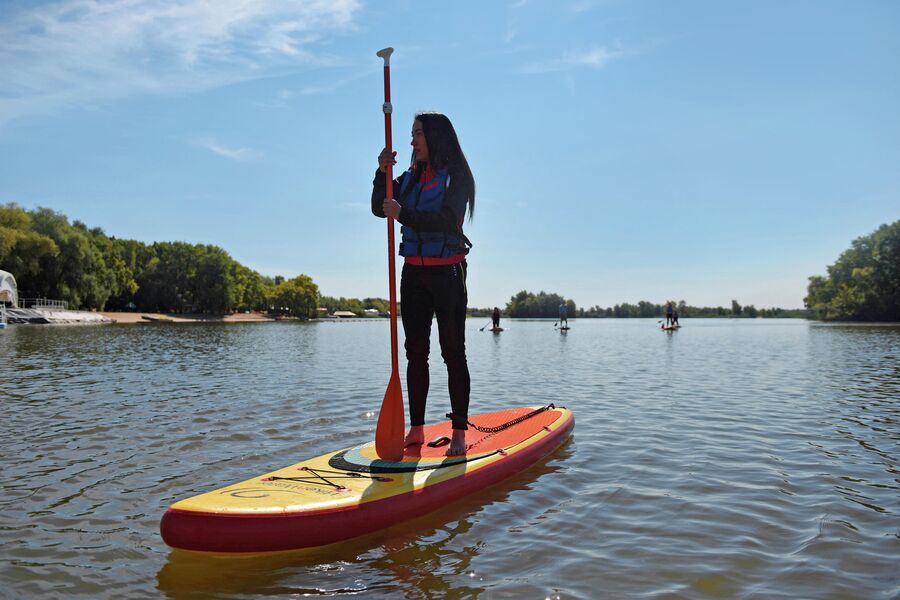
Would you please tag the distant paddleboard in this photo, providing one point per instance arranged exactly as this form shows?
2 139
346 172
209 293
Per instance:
496 329
352 492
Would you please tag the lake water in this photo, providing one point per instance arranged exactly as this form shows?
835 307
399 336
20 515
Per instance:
730 459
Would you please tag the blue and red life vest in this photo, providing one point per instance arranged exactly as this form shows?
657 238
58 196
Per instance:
428 194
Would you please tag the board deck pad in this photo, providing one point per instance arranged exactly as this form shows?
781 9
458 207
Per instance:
423 457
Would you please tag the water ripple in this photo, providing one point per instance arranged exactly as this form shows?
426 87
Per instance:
732 459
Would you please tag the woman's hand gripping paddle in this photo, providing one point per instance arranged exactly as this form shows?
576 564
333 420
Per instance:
391 424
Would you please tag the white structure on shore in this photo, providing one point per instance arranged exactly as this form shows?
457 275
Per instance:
40 310
9 292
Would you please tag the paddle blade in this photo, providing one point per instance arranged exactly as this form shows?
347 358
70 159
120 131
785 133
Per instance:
391 424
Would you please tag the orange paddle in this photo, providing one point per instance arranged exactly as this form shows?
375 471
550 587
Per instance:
391 424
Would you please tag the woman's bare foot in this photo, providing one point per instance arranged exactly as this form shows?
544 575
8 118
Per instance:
458 443
416 436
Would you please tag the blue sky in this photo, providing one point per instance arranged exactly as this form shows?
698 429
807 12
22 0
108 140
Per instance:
623 150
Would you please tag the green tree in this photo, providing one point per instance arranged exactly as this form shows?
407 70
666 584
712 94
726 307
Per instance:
23 250
299 296
253 290
541 305
166 284
54 258
120 276
648 309
78 273
135 258
382 305
864 283
213 287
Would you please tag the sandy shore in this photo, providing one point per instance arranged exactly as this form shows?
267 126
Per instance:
137 317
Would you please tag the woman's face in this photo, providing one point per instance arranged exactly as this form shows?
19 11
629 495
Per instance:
420 147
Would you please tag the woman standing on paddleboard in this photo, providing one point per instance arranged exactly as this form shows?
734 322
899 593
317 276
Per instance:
434 194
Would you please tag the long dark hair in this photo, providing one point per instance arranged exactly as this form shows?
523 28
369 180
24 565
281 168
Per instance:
444 152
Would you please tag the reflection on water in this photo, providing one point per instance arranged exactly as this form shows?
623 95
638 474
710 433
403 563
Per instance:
732 458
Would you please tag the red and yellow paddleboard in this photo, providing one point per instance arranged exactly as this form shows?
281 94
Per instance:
352 492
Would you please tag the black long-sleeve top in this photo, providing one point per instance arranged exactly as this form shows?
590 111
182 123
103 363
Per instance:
448 219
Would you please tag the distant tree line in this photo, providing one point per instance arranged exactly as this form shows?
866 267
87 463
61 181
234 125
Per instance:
864 282
53 258
644 309
355 305
545 305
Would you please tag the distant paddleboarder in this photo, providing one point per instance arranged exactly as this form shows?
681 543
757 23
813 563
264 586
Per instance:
675 318
495 318
669 312
563 316
431 204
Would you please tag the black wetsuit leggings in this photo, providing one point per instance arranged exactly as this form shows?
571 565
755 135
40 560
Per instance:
424 293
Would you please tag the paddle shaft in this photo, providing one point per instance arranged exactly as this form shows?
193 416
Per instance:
391 422
389 173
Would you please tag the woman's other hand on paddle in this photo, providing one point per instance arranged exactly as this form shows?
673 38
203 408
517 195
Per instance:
391 208
386 158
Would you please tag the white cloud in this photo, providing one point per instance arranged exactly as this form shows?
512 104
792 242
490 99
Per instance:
581 6
595 58
238 154
334 85
77 52
283 98
512 23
